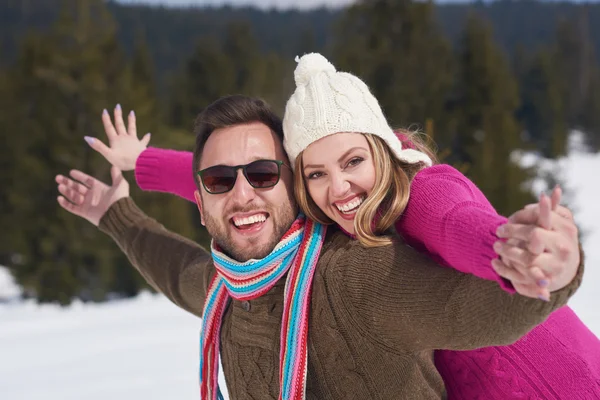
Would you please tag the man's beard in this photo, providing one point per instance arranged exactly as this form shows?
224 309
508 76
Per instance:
282 221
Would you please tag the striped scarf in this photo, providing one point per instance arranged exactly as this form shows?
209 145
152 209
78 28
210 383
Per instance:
297 252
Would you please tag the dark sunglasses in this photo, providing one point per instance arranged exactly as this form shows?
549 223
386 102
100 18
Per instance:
260 174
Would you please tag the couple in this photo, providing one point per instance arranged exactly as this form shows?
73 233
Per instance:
297 310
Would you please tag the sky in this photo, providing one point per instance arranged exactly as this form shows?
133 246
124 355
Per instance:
280 4
147 348
265 4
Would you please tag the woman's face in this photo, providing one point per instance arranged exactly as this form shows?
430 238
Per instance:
339 174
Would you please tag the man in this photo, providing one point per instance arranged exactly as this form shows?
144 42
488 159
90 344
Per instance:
372 329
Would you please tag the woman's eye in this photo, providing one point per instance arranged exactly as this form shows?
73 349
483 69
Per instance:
315 175
355 161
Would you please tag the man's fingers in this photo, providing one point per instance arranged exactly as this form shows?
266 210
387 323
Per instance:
506 272
522 260
71 184
111 133
82 177
100 147
548 263
131 128
564 212
70 207
119 124
71 195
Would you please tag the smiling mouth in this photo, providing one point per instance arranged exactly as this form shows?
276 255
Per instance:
250 223
351 206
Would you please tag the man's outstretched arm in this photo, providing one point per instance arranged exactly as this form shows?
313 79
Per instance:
173 265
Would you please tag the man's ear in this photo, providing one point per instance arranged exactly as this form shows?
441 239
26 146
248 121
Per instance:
199 204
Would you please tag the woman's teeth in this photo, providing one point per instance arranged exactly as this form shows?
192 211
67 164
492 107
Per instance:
350 206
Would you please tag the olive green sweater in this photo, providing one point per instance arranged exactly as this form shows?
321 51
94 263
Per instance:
376 314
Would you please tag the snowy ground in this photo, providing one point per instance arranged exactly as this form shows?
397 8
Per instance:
147 348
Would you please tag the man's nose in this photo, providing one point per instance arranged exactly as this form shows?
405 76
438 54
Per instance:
242 191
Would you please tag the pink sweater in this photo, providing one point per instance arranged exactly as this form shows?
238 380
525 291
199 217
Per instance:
451 220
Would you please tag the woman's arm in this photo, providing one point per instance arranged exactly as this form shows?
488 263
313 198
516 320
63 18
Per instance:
166 171
449 217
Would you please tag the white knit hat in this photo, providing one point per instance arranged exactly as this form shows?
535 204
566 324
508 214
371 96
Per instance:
327 102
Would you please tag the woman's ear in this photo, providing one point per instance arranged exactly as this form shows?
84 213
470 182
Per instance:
199 204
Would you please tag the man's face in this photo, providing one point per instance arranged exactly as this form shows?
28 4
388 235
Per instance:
247 222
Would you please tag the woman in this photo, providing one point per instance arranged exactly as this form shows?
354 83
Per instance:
525 369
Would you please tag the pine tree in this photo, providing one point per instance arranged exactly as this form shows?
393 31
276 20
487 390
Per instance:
591 112
487 130
575 63
208 75
397 48
62 81
542 110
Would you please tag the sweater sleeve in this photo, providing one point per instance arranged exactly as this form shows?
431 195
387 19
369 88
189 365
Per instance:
173 265
450 218
166 171
400 299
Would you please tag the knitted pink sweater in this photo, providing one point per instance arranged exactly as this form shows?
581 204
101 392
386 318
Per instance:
451 220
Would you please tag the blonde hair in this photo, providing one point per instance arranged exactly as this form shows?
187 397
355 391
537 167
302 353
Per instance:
389 195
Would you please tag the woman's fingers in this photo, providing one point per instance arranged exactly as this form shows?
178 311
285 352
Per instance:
131 128
110 130
119 124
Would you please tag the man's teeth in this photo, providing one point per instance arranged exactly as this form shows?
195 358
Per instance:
249 220
350 206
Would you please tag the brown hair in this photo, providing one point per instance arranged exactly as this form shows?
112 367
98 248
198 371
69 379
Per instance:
389 196
230 111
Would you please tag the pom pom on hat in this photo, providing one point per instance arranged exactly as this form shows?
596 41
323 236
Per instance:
310 65
326 102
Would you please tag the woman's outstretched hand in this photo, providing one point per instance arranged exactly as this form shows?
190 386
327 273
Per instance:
124 147
541 254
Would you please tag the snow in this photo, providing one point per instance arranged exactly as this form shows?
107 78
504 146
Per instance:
147 348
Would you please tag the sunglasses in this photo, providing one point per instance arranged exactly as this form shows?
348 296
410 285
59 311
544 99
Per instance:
260 174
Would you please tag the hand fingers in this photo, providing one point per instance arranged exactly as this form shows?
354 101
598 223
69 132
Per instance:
70 207
530 211
99 147
564 212
548 263
111 133
83 178
555 197
532 291
71 195
522 261
119 124
522 229
146 139
511 274
131 128
71 184
544 211
530 234
523 285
